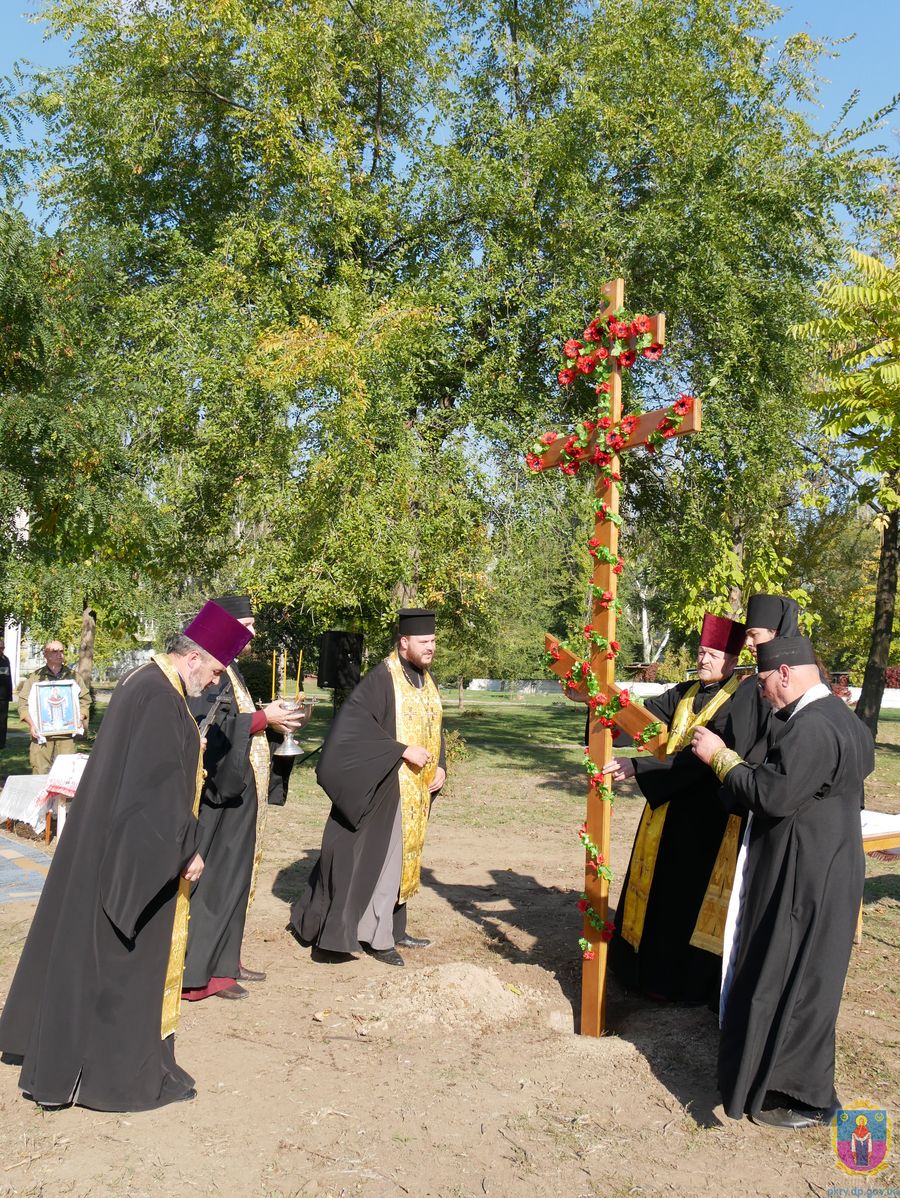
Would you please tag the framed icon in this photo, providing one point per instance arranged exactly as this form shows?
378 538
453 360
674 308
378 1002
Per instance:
58 710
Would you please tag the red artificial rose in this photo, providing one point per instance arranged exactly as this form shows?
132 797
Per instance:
669 432
663 424
604 387
640 324
628 424
582 904
554 651
618 567
606 597
616 476
570 468
533 462
652 352
683 404
588 426
602 353
615 441
566 376
624 698
619 329
592 332
587 364
604 422
607 934
548 438
571 348
600 457
588 954
615 646
627 358
602 699
607 722
594 542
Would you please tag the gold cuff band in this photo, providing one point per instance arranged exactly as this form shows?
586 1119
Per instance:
723 762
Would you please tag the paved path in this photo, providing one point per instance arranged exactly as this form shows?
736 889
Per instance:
23 868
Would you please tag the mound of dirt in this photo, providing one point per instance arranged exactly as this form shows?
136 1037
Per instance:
455 995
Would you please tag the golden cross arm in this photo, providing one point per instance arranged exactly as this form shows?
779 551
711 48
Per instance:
632 719
646 424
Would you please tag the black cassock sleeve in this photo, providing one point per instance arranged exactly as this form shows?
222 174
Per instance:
799 767
152 833
360 751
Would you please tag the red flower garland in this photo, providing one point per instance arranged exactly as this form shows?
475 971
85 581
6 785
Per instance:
608 338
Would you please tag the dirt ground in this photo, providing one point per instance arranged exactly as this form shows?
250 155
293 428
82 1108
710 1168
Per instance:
458 1076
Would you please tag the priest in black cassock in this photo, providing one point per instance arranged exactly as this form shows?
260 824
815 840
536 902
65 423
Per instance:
749 715
382 763
233 809
799 894
93 1007
655 948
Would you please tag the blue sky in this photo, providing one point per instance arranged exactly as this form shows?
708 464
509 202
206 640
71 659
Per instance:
868 63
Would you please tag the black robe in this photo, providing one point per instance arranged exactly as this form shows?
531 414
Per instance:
359 771
665 964
83 1013
800 902
228 810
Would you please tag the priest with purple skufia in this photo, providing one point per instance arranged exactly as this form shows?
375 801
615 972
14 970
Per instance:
92 1009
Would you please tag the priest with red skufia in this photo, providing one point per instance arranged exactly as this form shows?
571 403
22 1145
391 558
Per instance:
662 946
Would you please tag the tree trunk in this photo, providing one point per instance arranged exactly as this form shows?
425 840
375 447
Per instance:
459 691
646 643
869 706
735 593
86 645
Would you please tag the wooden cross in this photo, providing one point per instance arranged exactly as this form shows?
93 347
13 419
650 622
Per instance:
633 718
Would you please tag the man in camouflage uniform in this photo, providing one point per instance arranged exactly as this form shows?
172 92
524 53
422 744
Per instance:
45 750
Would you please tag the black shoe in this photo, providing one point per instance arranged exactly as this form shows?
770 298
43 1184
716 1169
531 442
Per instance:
387 956
325 956
250 975
412 942
232 992
187 1096
796 1116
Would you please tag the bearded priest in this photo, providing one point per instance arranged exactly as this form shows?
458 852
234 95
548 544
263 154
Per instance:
382 764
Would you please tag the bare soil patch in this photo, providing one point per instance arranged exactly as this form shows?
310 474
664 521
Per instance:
460 1075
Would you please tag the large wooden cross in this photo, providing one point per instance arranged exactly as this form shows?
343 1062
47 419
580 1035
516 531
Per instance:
633 718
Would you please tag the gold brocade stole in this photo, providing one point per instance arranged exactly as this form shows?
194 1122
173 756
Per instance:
709 930
647 841
419 715
261 764
171 1003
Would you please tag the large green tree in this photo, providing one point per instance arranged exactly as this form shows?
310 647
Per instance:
340 244
858 395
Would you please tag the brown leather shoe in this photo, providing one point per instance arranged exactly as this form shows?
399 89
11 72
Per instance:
234 991
250 975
